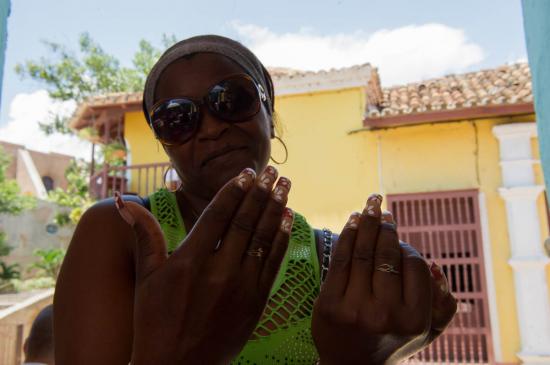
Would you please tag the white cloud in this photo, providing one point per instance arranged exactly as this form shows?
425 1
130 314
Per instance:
26 110
405 54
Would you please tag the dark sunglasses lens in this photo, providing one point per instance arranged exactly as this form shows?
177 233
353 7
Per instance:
235 99
175 120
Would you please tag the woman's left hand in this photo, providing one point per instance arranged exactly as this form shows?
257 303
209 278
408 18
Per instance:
380 303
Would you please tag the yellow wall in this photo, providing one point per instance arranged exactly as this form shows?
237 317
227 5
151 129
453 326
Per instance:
333 171
144 149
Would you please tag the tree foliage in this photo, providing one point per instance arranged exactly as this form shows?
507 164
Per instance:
11 200
89 72
76 196
12 203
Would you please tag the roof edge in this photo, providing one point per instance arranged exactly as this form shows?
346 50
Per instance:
441 116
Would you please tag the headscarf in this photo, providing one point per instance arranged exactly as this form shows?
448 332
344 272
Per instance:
208 44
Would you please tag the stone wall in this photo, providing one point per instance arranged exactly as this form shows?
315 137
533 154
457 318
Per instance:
27 232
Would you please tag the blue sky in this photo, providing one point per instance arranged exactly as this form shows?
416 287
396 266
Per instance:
406 40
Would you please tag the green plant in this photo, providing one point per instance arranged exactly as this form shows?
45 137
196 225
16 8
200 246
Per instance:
32 284
11 200
114 154
89 133
9 271
75 196
49 262
5 249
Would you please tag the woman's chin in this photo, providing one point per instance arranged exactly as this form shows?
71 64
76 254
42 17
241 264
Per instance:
217 175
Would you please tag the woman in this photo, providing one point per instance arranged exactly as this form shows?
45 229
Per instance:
218 296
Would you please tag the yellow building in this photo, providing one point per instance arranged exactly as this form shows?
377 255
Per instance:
456 159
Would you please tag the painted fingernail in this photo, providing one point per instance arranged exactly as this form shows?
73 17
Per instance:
280 193
387 217
119 203
439 277
288 219
267 178
123 209
245 178
353 220
373 205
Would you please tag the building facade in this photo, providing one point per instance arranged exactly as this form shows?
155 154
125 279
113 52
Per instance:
36 172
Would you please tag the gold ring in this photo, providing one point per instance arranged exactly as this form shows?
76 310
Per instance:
387 268
259 252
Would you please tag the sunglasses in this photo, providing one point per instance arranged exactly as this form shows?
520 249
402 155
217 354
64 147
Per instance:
235 99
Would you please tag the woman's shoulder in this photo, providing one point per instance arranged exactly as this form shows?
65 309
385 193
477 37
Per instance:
103 221
110 202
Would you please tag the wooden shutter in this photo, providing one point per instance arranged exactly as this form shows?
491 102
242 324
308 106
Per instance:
445 227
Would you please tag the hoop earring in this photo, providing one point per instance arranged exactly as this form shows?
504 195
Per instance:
169 187
286 152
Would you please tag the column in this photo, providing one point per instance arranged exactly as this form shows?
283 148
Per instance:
528 259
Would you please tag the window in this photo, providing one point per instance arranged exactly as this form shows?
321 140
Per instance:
48 182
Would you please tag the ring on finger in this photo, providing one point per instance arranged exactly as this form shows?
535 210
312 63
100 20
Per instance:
388 269
256 252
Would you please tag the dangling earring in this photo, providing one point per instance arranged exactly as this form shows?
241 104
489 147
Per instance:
286 152
171 171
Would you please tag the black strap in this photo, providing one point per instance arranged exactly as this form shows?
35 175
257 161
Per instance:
146 202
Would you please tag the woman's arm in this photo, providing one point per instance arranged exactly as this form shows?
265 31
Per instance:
198 305
93 303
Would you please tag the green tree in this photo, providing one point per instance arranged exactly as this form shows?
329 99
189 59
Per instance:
49 262
89 72
9 271
11 200
12 203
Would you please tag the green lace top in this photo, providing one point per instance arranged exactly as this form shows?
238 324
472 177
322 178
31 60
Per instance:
283 334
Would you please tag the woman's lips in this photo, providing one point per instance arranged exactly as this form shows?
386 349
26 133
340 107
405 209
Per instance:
221 152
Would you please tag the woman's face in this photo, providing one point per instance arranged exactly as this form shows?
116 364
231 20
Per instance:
219 150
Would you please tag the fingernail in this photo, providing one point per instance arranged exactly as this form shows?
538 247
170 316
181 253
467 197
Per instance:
373 205
118 201
288 219
439 277
267 178
280 193
245 178
387 217
353 220
123 210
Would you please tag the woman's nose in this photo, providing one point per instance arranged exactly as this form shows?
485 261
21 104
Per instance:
211 127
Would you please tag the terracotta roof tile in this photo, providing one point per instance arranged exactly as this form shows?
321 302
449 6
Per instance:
508 84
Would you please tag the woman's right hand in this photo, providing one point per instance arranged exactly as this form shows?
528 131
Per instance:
202 303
